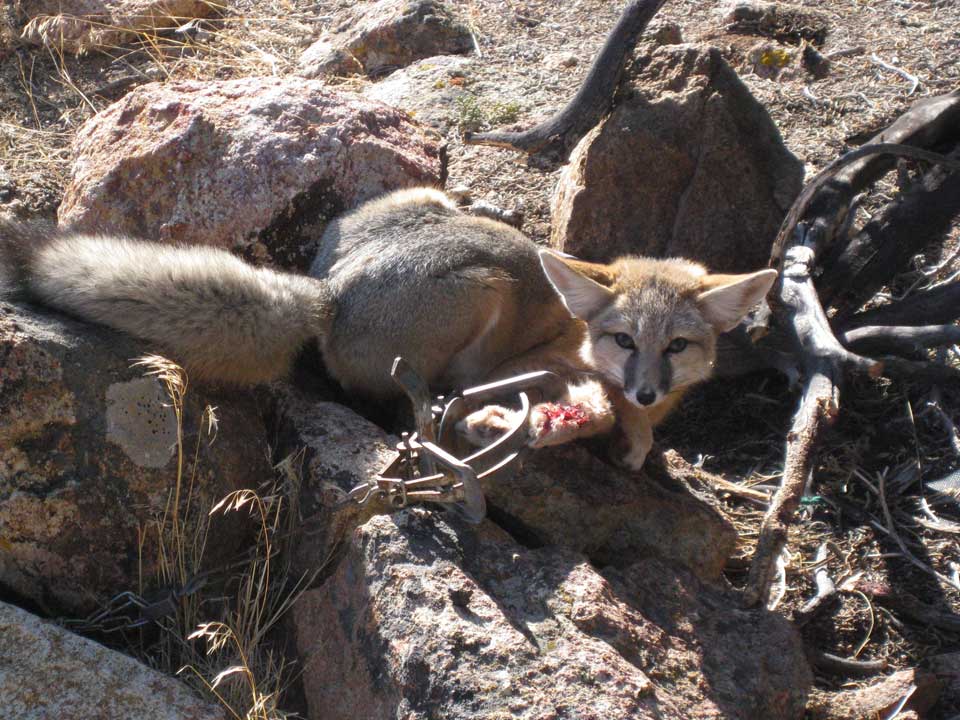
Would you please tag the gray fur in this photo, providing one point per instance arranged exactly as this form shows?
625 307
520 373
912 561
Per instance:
404 275
220 317
462 298
414 276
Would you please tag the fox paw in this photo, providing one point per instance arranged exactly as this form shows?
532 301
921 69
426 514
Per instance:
556 423
486 424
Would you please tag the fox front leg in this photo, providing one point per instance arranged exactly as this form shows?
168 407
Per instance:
584 411
637 426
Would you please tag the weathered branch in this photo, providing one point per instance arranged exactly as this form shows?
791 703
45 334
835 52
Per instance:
887 243
917 370
847 667
800 315
827 181
898 339
557 136
936 306
821 357
829 194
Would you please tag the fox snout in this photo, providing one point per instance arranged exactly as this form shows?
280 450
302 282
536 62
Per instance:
646 378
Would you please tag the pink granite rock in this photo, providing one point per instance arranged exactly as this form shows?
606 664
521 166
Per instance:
88 461
387 35
687 164
48 672
426 618
256 165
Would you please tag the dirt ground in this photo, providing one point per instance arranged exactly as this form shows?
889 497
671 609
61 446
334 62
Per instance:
534 53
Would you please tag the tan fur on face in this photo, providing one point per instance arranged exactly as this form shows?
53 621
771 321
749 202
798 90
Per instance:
654 302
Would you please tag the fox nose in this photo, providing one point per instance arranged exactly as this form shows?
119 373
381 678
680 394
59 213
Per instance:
646 397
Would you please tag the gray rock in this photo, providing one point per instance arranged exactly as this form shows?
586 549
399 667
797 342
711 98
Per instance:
333 450
780 21
256 164
428 90
88 459
389 34
562 496
665 32
688 164
566 496
427 618
48 673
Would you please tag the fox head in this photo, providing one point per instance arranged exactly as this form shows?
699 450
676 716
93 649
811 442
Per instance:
653 324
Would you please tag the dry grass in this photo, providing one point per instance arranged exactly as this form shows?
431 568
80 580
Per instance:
886 429
231 610
47 92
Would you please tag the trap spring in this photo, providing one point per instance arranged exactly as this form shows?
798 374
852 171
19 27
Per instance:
427 468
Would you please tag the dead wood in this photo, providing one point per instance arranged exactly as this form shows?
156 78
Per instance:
846 667
827 197
556 137
908 607
826 589
898 339
936 305
925 124
798 312
854 274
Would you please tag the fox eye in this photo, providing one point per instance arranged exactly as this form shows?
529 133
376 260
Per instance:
677 345
625 341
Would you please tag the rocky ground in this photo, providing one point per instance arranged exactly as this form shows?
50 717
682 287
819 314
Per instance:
630 612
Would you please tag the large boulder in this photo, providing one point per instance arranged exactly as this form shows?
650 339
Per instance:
426 617
688 164
89 462
567 496
335 450
256 165
82 25
48 673
387 35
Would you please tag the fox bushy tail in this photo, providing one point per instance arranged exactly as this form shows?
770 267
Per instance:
218 316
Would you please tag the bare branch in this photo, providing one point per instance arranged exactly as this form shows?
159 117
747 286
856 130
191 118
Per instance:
818 403
855 273
855 159
898 339
557 136
845 666
939 305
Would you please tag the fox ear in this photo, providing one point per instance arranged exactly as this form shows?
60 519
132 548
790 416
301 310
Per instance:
725 299
582 296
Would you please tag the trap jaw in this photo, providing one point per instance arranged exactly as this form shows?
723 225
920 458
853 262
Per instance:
427 469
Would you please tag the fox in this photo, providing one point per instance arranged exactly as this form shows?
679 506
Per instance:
464 299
